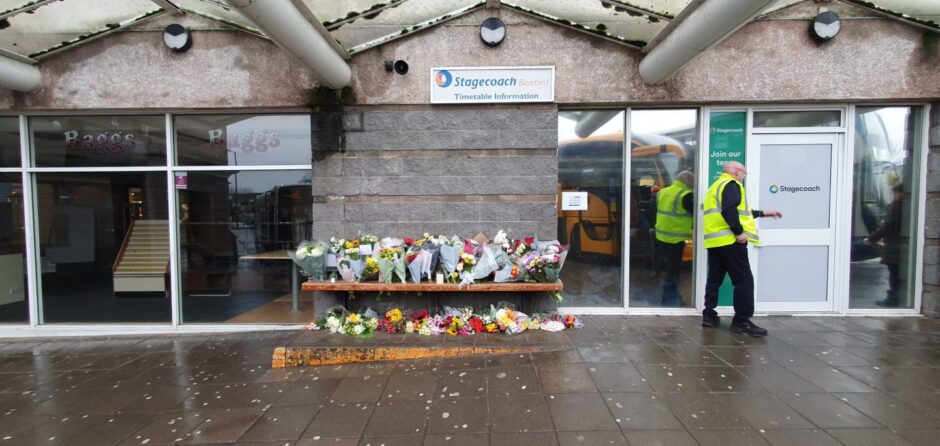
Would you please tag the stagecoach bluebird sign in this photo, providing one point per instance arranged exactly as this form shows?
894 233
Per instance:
489 85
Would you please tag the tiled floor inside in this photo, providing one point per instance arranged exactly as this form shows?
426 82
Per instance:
618 381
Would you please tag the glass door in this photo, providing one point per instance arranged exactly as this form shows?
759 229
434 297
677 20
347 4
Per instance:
794 174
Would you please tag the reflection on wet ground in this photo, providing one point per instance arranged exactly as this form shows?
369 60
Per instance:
619 380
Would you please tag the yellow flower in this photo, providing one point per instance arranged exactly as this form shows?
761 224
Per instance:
394 315
454 274
353 318
371 262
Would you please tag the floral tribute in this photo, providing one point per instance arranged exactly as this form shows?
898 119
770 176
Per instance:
457 260
452 322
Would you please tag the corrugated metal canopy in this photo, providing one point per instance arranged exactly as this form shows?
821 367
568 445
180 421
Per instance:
33 29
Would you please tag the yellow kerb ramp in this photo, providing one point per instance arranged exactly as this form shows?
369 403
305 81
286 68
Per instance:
311 356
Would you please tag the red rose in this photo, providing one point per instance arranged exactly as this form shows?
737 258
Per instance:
529 240
422 315
477 324
411 257
409 241
468 246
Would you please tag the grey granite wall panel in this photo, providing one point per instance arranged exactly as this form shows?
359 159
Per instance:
463 120
451 139
931 295
451 172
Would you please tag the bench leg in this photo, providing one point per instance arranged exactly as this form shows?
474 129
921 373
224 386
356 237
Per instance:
294 289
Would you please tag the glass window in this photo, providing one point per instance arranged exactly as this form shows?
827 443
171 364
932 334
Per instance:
590 160
13 302
662 207
884 203
9 141
813 118
98 141
104 247
243 140
235 230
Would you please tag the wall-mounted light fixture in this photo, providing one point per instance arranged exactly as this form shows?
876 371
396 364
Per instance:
825 26
400 66
177 38
492 31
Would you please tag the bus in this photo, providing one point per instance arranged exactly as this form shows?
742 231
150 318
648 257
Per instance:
595 165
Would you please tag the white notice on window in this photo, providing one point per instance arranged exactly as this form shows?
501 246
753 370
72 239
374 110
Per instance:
574 201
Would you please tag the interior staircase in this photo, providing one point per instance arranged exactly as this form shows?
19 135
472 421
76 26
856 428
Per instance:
144 259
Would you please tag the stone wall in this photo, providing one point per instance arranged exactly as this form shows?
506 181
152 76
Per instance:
931 302
397 171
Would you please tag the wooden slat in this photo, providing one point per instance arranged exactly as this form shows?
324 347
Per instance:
280 254
429 287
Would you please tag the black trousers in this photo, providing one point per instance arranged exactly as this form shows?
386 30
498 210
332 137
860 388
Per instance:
672 252
673 255
731 259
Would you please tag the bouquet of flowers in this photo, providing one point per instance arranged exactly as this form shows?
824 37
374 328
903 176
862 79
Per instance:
463 270
419 323
418 262
450 255
394 322
389 260
338 320
367 244
512 322
369 270
500 248
310 258
509 273
553 258
335 250
454 326
346 271
482 268
432 244
350 253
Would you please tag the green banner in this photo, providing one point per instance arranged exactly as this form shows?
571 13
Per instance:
727 138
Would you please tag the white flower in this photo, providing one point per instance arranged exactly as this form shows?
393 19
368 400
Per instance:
501 238
425 331
358 329
409 327
317 251
301 253
552 249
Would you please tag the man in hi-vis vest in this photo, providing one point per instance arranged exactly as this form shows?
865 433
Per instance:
729 225
674 207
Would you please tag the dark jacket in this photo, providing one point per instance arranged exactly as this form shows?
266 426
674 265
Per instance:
730 199
890 232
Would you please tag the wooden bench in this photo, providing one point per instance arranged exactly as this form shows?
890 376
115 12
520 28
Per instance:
505 287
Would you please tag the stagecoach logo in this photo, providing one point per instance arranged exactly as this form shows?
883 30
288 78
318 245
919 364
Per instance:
477 85
793 189
443 79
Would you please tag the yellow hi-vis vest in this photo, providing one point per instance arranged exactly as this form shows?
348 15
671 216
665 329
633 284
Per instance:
673 222
717 231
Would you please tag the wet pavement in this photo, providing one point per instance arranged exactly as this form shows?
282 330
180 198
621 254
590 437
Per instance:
619 381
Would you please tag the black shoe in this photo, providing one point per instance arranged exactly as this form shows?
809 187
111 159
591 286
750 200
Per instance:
887 302
712 321
749 328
